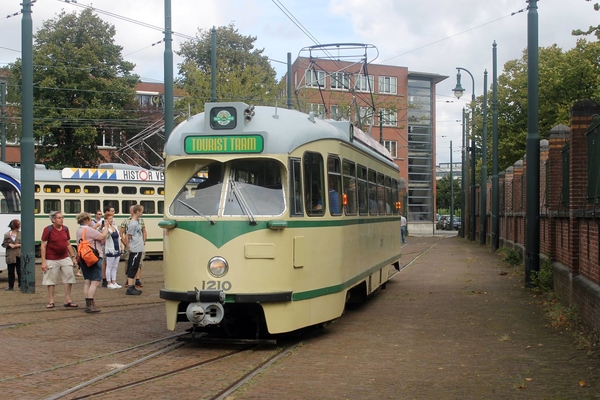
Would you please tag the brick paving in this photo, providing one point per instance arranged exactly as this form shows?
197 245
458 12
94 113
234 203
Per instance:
449 326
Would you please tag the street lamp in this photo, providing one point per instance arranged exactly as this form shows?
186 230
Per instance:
458 92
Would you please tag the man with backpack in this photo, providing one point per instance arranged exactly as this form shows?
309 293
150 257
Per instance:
58 257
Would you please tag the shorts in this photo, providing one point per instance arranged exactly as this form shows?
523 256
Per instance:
125 257
63 267
93 273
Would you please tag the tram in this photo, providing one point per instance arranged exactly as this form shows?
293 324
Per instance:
10 202
73 190
297 216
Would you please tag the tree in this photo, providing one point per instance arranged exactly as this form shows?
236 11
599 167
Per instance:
564 78
243 73
592 29
82 86
442 194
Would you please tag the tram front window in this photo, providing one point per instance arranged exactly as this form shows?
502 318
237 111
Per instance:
10 199
252 188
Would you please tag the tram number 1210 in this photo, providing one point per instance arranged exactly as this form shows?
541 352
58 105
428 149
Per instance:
216 285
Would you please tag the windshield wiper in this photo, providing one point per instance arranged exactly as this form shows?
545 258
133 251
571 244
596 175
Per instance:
242 202
196 211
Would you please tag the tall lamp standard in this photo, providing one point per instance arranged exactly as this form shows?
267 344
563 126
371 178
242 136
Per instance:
458 92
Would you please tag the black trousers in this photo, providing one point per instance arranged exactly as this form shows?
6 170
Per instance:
11 273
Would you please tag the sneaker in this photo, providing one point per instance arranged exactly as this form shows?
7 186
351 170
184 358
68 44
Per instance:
132 291
112 286
138 283
117 285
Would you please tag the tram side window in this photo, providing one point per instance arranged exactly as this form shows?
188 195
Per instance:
37 208
313 183
72 207
149 206
334 182
51 205
161 207
389 201
349 181
126 205
381 209
90 206
110 189
363 193
111 204
51 188
72 189
296 204
372 192
147 190
91 190
129 190
394 196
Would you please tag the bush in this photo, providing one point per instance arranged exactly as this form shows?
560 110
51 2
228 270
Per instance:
511 256
543 279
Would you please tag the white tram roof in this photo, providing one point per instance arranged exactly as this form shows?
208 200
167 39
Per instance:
282 130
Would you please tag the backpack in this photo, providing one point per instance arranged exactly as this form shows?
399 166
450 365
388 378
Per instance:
86 254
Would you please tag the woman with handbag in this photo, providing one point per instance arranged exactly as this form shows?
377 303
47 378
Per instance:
12 244
92 274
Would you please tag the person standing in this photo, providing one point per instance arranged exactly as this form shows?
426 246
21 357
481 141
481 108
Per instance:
403 228
123 234
91 274
112 252
57 258
12 244
134 242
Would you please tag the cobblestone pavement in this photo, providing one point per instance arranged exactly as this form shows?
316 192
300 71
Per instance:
454 324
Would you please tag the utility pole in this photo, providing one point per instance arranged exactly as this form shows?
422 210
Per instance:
495 182
3 122
483 205
169 112
27 161
532 211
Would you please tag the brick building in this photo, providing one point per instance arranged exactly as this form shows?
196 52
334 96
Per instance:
395 105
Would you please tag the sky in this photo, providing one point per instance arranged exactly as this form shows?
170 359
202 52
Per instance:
433 36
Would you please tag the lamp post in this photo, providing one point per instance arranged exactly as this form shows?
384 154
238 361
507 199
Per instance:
458 92
463 179
451 191
483 205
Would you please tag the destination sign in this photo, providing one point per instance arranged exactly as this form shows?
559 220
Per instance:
224 144
100 174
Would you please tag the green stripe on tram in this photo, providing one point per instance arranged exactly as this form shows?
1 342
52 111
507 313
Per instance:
310 294
225 231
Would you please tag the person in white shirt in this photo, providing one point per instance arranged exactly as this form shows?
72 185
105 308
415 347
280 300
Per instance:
403 228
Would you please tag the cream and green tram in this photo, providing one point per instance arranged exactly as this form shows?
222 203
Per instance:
294 217
73 190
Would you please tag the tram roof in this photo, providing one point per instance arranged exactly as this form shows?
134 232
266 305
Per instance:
6 169
282 130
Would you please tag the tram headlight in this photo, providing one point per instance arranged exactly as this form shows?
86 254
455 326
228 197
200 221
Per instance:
217 267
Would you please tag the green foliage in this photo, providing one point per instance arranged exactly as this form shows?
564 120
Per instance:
511 256
243 73
443 194
592 29
82 87
543 279
564 78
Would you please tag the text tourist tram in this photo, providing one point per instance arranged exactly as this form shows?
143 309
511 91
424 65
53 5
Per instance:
297 216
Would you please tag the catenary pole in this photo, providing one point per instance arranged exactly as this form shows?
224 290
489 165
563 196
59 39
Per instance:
27 161
483 196
168 73
495 182
532 176
463 178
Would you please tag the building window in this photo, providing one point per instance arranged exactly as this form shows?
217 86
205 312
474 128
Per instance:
338 112
388 84
392 146
366 116
364 83
318 109
340 80
389 117
315 78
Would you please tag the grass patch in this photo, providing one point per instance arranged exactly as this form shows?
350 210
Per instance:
543 279
511 256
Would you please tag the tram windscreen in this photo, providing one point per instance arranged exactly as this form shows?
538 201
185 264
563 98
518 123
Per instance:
252 186
10 199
